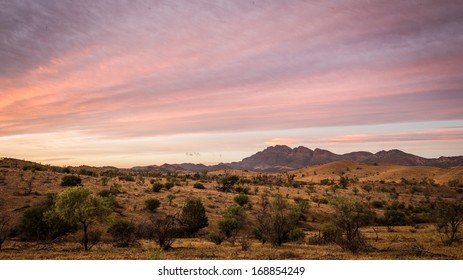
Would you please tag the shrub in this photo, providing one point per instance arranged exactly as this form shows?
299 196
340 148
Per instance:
329 233
122 233
296 234
152 204
243 190
199 186
168 185
126 177
193 216
107 193
216 237
394 217
87 172
241 199
71 181
377 204
157 187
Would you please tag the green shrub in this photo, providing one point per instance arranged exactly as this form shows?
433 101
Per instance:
71 181
168 185
377 204
296 234
193 216
199 186
329 233
152 204
216 237
122 233
157 187
241 199
38 224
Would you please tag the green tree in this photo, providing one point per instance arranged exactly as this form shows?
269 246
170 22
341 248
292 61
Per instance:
232 222
193 216
283 219
77 205
350 216
37 224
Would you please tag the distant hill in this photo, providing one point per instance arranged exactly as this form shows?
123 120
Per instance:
283 158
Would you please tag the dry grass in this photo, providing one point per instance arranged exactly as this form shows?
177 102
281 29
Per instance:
398 244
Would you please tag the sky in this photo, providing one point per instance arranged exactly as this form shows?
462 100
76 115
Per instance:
127 83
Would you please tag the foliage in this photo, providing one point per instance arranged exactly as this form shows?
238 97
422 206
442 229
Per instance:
344 182
276 220
216 237
232 222
152 204
296 234
326 182
122 233
71 181
39 224
157 187
193 216
78 205
448 217
168 185
329 233
241 199
199 186
227 183
350 216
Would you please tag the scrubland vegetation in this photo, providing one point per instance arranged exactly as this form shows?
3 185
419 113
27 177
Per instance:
342 210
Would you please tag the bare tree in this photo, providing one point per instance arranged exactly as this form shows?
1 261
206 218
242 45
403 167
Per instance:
165 230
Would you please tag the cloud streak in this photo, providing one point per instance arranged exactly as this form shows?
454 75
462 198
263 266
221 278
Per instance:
144 69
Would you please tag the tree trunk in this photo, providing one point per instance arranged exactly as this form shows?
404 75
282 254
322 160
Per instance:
85 239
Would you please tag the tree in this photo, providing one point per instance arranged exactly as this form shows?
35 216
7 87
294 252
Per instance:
38 223
152 204
232 222
4 229
165 230
71 181
193 216
350 216
77 205
283 219
122 232
448 217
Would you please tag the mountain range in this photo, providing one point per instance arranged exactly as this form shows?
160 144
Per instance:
282 158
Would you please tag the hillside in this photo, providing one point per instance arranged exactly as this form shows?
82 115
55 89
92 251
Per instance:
24 185
282 158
